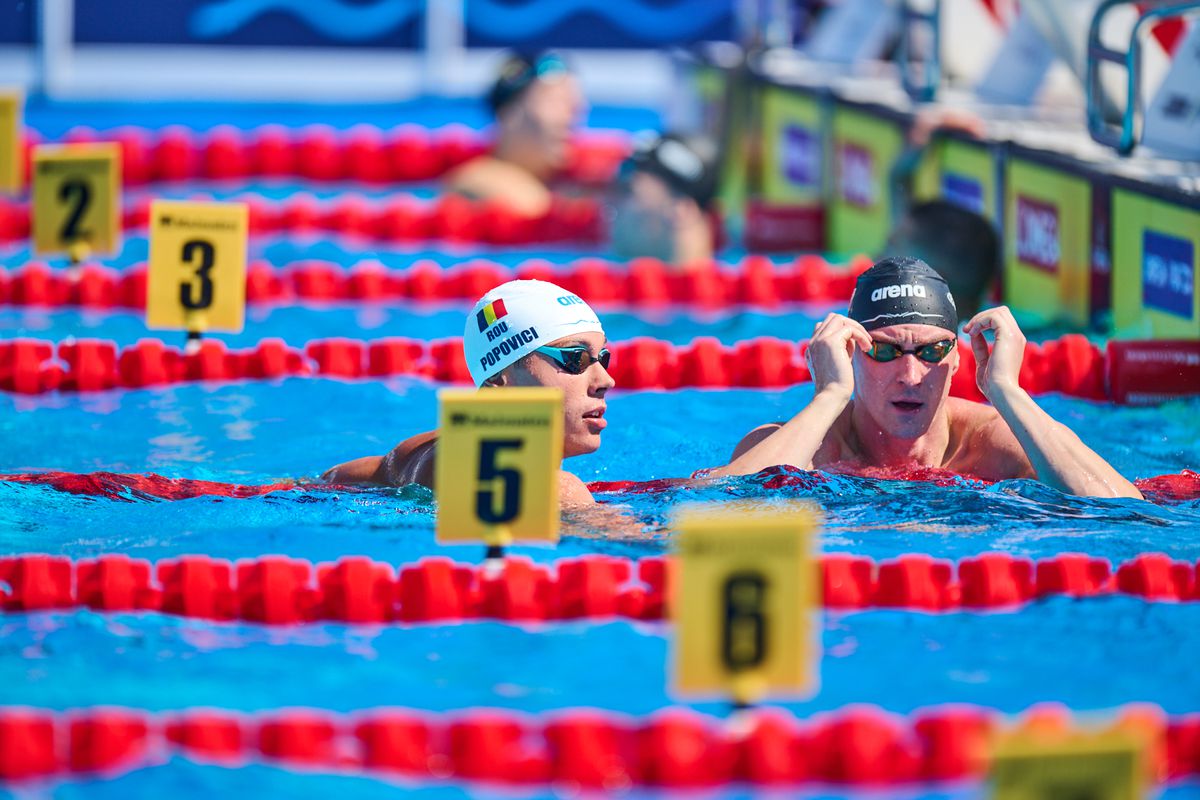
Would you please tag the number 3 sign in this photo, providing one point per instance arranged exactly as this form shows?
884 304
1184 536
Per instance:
197 276
498 456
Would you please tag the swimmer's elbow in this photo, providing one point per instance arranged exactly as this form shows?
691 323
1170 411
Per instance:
360 470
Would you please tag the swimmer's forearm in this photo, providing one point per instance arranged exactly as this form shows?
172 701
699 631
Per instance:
796 441
1059 457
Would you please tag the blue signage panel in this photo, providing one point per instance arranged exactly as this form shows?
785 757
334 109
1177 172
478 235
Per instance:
1168 274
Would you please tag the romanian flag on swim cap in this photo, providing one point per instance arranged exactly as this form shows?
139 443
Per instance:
490 313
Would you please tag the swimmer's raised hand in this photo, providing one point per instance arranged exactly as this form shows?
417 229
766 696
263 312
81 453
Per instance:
1000 369
829 354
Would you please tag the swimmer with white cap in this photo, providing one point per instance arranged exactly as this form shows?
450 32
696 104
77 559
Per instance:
882 382
522 333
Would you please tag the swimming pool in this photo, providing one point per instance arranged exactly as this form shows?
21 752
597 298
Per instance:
1091 654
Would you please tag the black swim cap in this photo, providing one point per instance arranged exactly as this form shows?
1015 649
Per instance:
902 291
519 71
687 165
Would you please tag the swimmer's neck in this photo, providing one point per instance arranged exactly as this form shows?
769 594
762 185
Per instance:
880 448
515 150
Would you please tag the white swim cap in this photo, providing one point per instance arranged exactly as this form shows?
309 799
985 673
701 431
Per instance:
514 319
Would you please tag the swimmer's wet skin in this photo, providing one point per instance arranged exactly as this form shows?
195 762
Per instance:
882 381
522 333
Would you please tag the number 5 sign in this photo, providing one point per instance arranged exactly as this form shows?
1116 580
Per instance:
498 456
743 601
197 276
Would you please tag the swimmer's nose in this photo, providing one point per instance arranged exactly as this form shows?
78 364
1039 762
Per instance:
602 381
912 370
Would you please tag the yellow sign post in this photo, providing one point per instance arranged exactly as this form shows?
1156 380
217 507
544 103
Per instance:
743 601
197 279
1080 766
77 199
498 456
12 178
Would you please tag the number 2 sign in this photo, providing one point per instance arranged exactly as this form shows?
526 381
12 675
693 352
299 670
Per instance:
498 456
76 199
197 278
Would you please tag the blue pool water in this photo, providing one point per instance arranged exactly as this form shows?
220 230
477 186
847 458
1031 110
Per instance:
1094 655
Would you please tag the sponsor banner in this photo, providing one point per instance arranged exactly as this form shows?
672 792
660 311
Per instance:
1038 242
1156 276
1048 243
963 191
963 173
788 214
771 228
1168 274
865 146
793 147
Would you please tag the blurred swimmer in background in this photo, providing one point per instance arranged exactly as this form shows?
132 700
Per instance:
663 203
537 103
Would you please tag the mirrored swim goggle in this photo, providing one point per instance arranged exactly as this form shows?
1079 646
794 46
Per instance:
931 353
576 359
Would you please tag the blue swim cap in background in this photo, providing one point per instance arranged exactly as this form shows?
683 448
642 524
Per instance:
518 72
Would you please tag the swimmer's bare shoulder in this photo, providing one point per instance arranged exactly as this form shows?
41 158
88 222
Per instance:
984 446
833 448
573 492
411 461
489 178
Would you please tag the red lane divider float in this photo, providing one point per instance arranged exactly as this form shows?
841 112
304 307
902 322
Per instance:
580 748
277 590
1071 365
1179 487
643 283
319 153
450 218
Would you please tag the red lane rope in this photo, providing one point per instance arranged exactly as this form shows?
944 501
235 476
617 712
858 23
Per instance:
1173 488
277 590
450 218
321 154
1072 365
580 748
644 283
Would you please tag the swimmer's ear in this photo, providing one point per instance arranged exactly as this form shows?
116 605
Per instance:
499 379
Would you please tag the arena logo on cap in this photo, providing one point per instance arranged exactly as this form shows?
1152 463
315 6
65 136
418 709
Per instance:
798 155
856 175
490 313
898 290
1037 234
1168 274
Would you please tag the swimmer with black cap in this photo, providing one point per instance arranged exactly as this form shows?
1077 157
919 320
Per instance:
541 335
664 202
537 103
881 376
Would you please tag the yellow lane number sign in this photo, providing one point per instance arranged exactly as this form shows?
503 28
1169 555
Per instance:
743 601
76 199
12 154
498 456
1077 766
197 278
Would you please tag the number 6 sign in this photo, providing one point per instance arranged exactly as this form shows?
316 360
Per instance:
743 601
197 278
498 456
